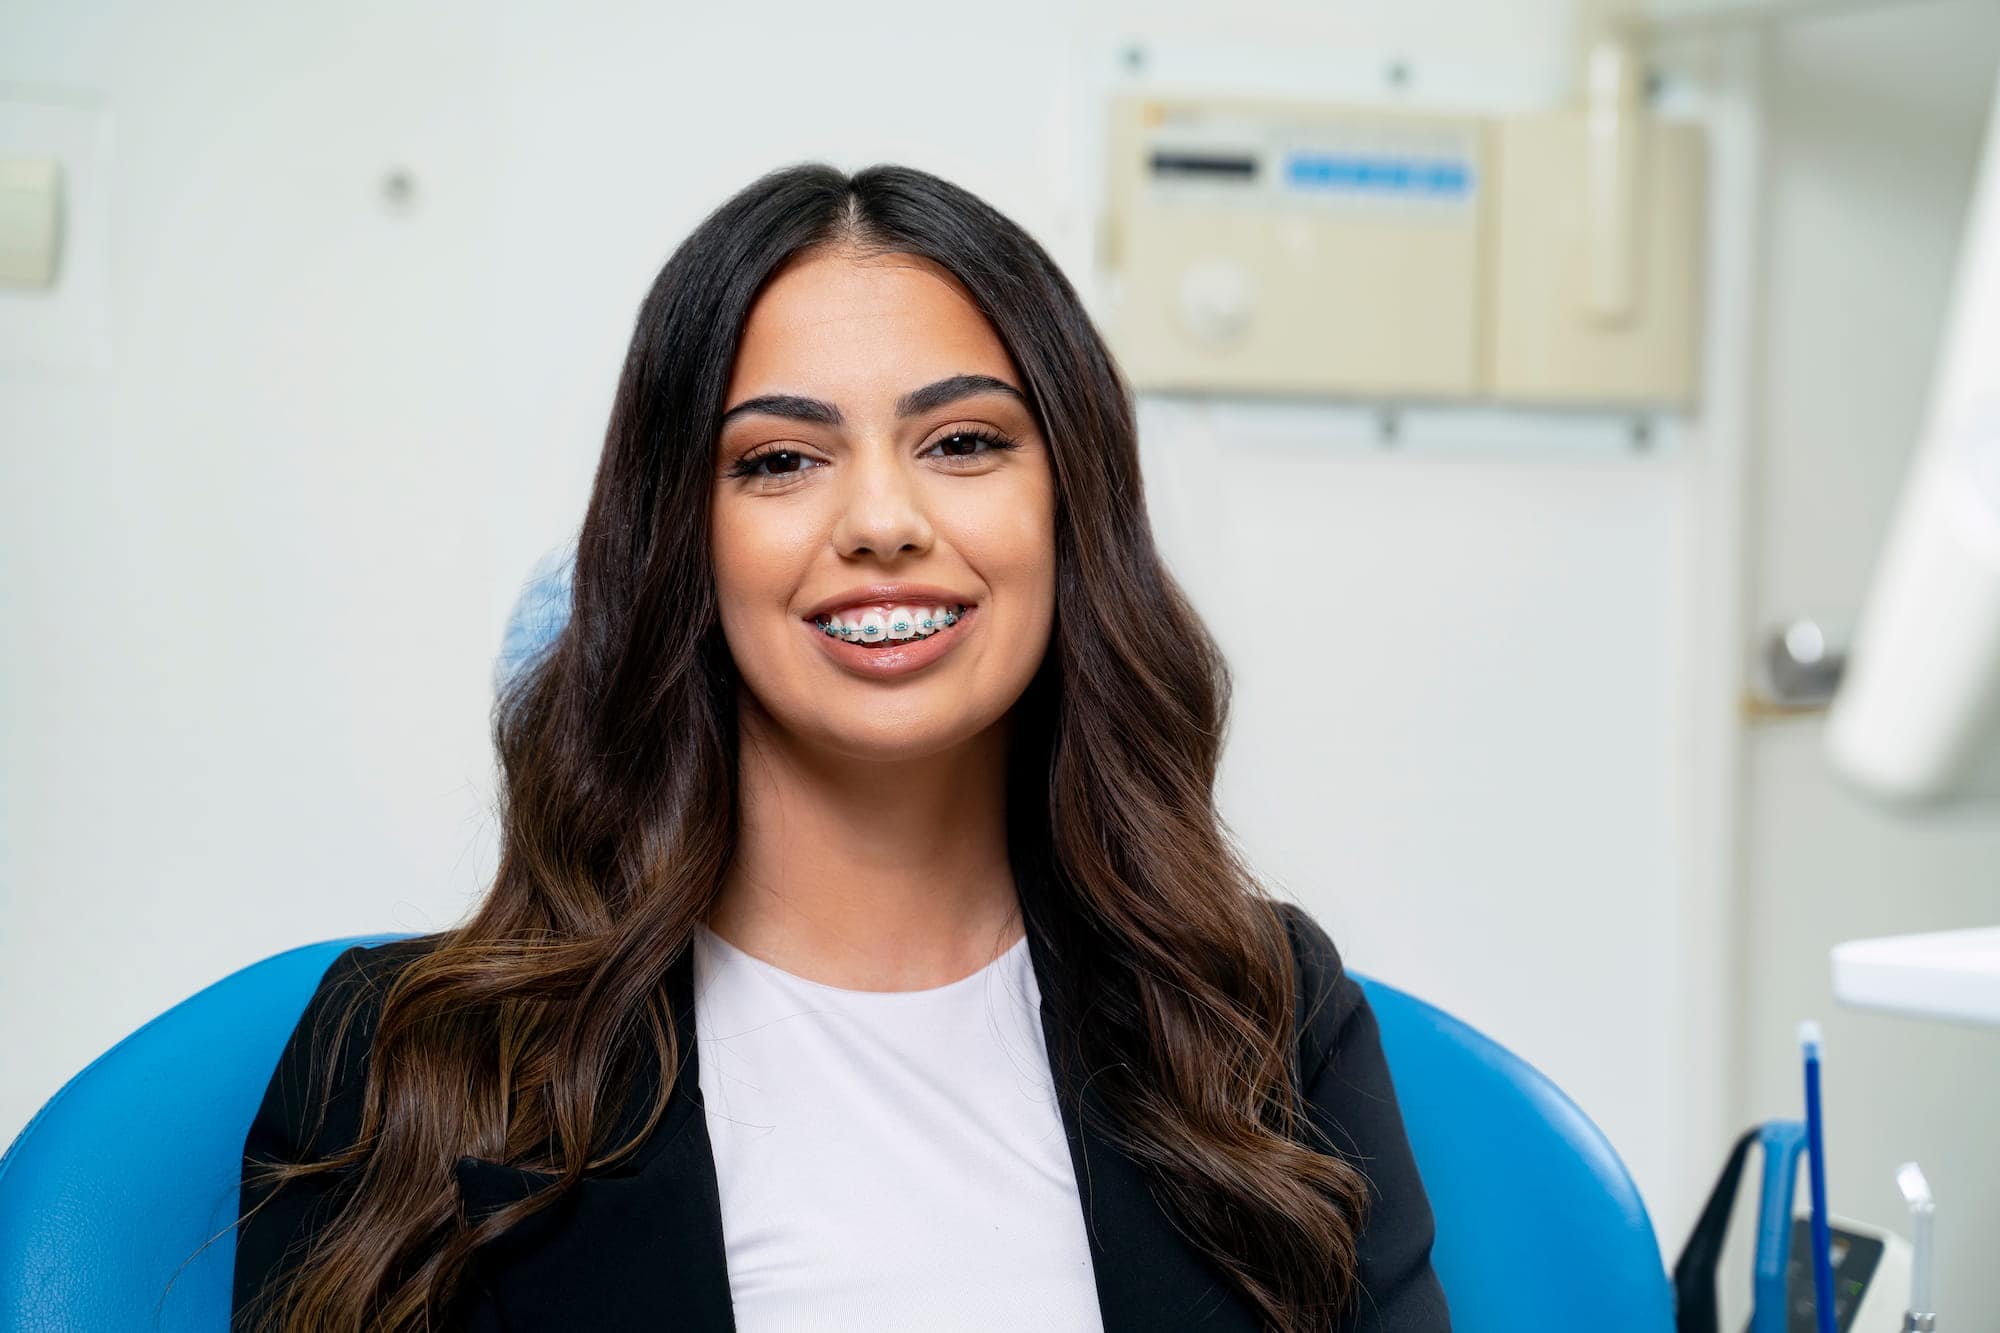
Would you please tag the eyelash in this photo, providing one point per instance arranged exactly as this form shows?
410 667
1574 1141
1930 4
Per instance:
746 467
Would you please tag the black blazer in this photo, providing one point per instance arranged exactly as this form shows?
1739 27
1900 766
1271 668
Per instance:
641 1246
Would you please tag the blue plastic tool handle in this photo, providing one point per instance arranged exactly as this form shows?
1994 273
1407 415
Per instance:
1782 1142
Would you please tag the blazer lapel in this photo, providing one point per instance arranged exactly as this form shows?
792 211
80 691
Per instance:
1149 1276
638 1247
644 1243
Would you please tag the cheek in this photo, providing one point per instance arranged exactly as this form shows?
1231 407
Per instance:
1009 537
755 555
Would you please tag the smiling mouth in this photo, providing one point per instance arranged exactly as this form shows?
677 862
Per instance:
874 632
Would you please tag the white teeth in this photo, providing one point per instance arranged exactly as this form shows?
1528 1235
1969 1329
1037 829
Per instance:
897 622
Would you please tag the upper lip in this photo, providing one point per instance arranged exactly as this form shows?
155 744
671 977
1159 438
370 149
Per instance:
915 594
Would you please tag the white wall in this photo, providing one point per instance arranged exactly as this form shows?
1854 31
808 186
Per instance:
254 569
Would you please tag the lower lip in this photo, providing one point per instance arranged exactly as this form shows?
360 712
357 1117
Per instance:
900 658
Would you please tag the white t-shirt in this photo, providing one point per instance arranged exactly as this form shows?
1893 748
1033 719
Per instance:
889 1159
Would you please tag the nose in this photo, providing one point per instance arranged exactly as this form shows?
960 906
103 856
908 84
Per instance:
881 505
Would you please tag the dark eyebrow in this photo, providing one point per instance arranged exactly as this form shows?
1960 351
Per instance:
951 390
918 401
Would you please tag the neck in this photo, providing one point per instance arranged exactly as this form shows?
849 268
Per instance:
889 875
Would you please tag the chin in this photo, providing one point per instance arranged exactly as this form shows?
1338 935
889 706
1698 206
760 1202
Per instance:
891 743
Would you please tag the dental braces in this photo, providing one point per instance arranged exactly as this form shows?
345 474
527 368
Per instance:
950 619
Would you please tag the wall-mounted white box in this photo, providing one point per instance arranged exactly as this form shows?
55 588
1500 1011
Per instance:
1269 246
1543 346
62 329
1285 247
30 220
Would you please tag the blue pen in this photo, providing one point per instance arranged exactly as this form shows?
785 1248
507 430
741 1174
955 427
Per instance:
1822 1235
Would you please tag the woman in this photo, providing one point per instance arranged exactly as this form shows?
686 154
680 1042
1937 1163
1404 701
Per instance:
879 726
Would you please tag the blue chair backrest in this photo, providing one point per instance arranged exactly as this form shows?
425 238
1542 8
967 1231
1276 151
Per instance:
1539 1225
134 1164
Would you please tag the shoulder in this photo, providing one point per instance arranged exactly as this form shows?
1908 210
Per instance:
1352 1112
312 1105
311 1110
362 968
357 979
1327 998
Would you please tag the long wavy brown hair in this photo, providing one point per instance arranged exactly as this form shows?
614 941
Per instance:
510 1036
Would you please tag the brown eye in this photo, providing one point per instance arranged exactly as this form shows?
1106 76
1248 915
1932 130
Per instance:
965 443
784 462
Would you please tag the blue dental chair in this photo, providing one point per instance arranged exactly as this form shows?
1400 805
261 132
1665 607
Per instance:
133 1164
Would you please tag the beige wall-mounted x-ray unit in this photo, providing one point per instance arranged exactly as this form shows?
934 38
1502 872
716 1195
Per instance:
1263 246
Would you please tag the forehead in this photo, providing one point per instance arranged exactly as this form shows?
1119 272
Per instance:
862 330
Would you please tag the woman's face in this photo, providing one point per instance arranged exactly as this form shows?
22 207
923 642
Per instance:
864 472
